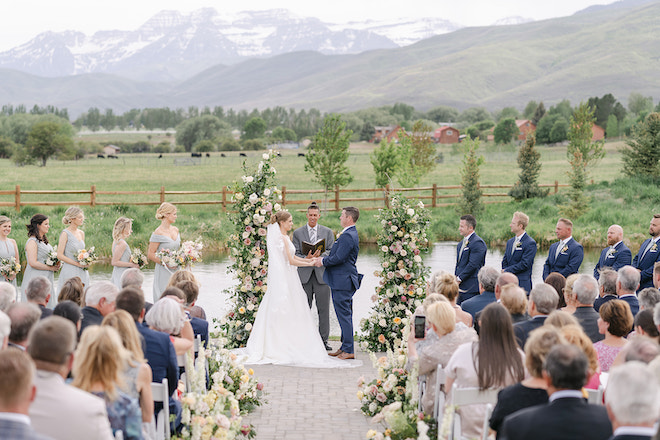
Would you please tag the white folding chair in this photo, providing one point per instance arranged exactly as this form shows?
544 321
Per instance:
472 396
421 389
595 396
160 393
439 399
185 376
119 435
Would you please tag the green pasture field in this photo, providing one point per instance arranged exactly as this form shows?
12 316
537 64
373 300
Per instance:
615 199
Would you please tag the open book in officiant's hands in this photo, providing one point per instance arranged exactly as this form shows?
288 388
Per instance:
308 248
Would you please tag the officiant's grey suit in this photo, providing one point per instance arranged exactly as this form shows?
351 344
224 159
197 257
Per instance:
312 277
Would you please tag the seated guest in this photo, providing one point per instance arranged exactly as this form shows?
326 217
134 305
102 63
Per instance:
7 295
568 290
99 302
606 288
487 277
97 366
157 347
136 372
72 290
167 316
558 282
648 298
69 310
640 349
186 275
62 411
17 391
133 277
200 326
5 329
585 291
559 319
514 299
615 322
533 390
645 326
23 317
37 292
576 336
442 319
446 285
494 361
542 301
503 280
568 415
632 400
627 283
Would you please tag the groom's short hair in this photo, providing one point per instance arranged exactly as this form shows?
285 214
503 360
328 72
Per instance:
352 212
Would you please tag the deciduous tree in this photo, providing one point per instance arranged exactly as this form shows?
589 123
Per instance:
46 139
416 154
505 131
328 153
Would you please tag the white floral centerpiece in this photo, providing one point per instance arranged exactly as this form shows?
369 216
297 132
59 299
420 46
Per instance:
255 199
403 276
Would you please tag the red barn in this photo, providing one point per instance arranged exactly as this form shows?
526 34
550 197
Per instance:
446 135
389 133
525 126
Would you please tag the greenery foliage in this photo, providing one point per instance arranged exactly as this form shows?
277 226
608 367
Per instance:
505 131
328 154
470 202
641 156
385 160
529 161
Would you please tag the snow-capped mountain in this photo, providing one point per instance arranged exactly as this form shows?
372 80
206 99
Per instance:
173 45
513 20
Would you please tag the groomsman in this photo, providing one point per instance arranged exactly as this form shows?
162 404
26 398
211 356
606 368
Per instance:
312 277
648 254
565 256
616 255
520 252
470 257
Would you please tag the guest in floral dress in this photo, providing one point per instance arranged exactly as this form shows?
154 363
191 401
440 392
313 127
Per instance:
615 322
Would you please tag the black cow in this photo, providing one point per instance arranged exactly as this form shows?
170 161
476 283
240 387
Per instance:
196 154
100 156
160 156
208 155
242 154
222 155
301 154
112 156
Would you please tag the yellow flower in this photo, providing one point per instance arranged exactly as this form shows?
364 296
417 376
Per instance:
241 310
251 371
360 395
397 320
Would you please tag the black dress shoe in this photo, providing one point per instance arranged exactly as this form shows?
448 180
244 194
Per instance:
327 347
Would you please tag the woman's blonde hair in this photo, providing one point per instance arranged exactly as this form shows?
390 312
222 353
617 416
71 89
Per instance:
559 319
4 219
445 284
164 209
432 299
72 290
123 322
514 299
71 213
442 315
574 334
538 345
279 217
121 225
182 275
100 358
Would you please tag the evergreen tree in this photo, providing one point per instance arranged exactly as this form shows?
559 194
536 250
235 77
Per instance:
470 202
641 156
529 161
385 160
538 113
612 129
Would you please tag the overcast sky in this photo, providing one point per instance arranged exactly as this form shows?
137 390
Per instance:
21 20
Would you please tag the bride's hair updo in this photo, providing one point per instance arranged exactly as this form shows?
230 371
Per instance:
279 217
445 284
71 214
164 209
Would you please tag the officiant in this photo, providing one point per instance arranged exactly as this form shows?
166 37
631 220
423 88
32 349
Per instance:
313 240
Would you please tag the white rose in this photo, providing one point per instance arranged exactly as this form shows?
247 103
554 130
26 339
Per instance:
266 192
410 212
274 171
393 228
255 262
265 156
253 198
417 259
246 234
250 307
277 207
249 179
382 322
248 326
238 196
384 249
399 234
403 252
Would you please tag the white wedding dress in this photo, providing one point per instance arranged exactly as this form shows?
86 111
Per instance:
284 331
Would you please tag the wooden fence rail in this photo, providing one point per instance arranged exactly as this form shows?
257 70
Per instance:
378 198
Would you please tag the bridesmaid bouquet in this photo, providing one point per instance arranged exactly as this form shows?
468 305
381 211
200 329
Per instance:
9 267
167 257
51 259
138 258
190 252
87 257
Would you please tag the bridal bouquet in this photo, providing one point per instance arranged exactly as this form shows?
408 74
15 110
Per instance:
138 258
9 267
87 257
51 259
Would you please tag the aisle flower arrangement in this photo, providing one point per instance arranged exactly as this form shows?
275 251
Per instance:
255 199
403 276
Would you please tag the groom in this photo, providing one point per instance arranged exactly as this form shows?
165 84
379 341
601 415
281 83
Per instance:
342 277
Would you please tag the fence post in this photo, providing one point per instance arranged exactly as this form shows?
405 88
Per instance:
17 198
92 197
283 196
556 186
434 195
387 196
336 197
162 194
224 198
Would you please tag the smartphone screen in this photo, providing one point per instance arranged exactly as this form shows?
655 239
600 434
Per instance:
420 327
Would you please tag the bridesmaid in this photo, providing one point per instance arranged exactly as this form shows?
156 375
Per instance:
37 249
121 253
165 236
8 247
72 241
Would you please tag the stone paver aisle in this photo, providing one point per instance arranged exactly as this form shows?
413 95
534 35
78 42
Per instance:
311 403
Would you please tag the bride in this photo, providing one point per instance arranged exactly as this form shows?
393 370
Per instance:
284 331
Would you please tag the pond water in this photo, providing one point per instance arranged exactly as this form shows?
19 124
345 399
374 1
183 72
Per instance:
214 279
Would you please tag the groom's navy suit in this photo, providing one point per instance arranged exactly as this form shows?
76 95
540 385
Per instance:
520 261
468 264
615 260
343 278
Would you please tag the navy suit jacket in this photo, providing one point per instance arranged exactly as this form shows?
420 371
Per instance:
567 262
633 302
477 303
602 300
567 418
630 437
200 327
645 265
588 319
13 430
160 355
520 261
621 257
469 262
523 328
340 270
